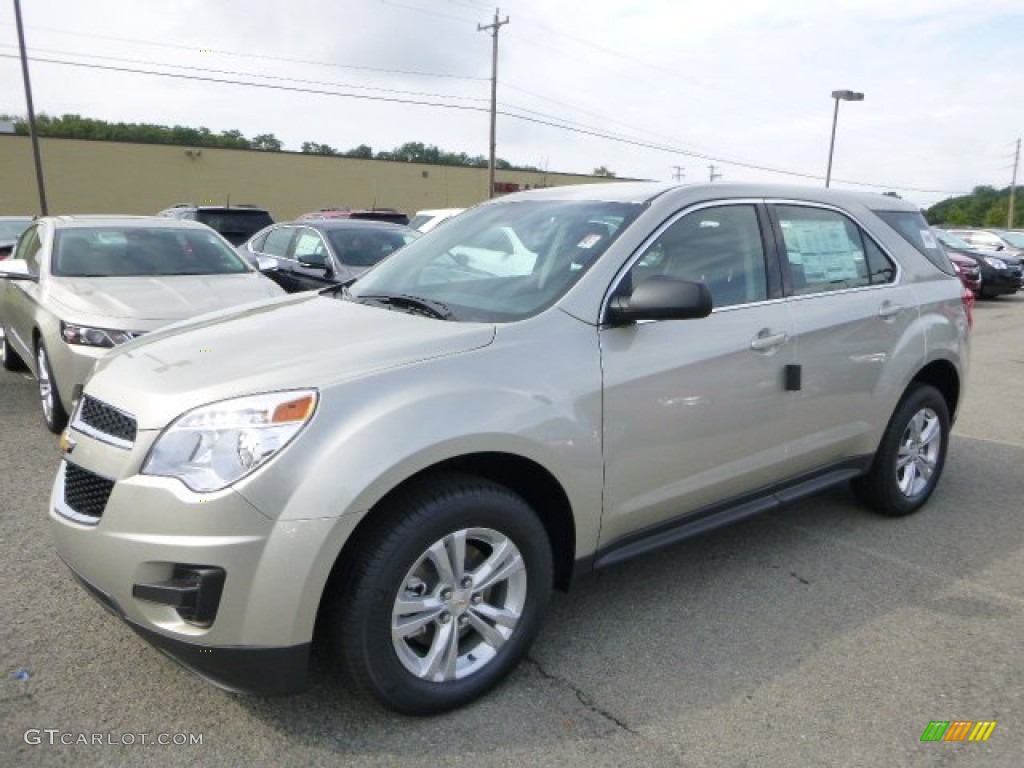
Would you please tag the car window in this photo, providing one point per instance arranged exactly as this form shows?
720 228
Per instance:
235 224
137 251
912 227
309 243
553 244
719 246
366 247
1016 239
276 242
10 229
30 249
826 251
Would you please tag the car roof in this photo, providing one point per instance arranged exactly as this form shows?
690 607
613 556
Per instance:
326 224
646 191
93 221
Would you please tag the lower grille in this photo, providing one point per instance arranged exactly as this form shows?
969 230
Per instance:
85 493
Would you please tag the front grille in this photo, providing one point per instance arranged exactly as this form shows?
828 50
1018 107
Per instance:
107 420
84 492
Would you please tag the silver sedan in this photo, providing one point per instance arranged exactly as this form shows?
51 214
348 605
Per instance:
78 286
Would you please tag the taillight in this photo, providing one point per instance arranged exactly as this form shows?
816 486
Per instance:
967 296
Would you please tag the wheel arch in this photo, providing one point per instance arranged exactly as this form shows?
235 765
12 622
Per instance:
942 375
523 476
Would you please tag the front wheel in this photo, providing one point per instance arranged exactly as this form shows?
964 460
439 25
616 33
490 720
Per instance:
911 456
443 596
54 415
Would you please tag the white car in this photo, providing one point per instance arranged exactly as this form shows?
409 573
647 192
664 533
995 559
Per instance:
80 285
425 221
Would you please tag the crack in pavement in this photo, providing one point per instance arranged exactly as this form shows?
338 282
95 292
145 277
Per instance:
583 698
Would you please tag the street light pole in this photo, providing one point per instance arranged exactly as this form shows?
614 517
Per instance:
838 96
33 134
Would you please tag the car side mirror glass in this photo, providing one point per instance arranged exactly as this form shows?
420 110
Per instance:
16 269
661 298
266 263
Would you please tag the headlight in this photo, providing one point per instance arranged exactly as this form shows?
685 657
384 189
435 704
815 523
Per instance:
994 262
93 337
211 447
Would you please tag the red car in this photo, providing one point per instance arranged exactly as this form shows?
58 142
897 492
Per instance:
969 271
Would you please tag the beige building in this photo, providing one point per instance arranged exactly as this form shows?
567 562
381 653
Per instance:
112 177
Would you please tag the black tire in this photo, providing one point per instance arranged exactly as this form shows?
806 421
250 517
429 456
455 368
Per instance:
910 459
54 415
391 559
9 359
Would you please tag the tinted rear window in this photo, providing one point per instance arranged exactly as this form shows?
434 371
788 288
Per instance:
237 225
912 227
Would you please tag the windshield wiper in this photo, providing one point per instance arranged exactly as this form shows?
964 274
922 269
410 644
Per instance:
409 302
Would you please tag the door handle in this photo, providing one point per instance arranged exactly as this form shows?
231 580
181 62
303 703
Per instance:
888 310
767 340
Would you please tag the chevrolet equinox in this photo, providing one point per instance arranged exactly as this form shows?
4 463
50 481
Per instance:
406 465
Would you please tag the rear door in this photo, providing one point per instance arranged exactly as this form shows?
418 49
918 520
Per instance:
695 410
850 313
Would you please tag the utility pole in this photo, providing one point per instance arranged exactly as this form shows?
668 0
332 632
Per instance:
712 175
31 112
493 28
1013 186
679 172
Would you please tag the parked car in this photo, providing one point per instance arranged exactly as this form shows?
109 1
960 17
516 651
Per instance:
371 214
303 255
411 463
80 285
969 271
236 223
10 228
1007 242
1001 274
425 221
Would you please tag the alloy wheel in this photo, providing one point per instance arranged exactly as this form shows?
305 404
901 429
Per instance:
458 604
919 452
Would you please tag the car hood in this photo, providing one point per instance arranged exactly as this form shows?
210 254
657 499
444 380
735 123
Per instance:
158 300
302 340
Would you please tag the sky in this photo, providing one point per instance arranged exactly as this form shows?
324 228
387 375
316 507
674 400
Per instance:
650 89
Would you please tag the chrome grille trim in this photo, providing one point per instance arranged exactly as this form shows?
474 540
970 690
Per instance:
105 423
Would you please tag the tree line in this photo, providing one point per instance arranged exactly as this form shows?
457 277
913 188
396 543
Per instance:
78 127
984 207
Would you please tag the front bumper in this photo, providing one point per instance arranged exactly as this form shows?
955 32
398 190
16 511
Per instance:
257 637
259 671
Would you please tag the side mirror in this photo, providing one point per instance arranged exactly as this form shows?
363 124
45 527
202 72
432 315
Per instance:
266 263
16 269
661 298
313 261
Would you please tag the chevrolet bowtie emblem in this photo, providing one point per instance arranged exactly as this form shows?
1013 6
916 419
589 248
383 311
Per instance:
67 444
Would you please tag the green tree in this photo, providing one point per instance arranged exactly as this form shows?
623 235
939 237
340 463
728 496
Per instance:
603 171
313 148
267 141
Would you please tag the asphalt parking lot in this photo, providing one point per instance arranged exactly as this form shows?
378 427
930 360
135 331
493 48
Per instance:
823 635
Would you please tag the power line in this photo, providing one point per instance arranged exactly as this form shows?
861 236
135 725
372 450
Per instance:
252 74
257 56
553 123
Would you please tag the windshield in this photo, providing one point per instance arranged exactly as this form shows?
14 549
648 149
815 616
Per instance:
11 228
1016 239
135 251
364 247
501 262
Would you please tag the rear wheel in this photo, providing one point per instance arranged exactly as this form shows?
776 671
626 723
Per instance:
9 359
54 415
443 596
911 456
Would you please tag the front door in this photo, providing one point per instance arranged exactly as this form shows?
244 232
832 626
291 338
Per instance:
695 410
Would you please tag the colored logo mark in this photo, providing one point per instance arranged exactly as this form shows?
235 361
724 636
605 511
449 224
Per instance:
958 730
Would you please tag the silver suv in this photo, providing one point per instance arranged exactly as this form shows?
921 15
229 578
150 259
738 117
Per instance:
406 466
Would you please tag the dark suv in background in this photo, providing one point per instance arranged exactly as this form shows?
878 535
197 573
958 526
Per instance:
1001 273
236 223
